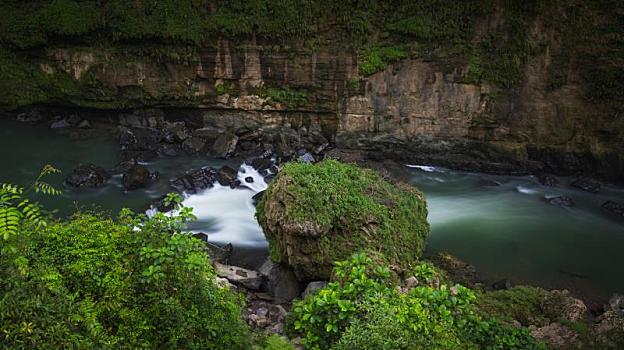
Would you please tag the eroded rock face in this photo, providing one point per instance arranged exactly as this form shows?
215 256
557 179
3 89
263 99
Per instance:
87 175
415 109
314 215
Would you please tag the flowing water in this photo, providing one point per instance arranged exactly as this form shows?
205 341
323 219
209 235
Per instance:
506 231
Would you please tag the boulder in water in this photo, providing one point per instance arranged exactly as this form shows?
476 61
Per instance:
614 207
227 175
548 180
316 214
195 180
87 175
32 116
249 180
60 124
560 201
139 144
138 176
194 145
588 185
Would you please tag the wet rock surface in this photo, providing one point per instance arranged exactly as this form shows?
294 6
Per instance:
87 175
560 201
615 208
227 175
587 185
138 176
195 180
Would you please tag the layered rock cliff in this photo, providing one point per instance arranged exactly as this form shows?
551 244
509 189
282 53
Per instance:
419 108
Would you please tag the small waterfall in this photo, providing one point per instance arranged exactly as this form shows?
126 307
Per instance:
228 215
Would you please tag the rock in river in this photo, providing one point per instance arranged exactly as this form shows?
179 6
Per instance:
138 176
195 180
87 175
316 214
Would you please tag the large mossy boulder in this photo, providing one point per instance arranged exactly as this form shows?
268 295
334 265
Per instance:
316 214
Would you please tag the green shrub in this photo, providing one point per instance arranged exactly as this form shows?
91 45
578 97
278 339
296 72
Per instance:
276 342
226 88
362 309
525 304
376 58
135 283
290 97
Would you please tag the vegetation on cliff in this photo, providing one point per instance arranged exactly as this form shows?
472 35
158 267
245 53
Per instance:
491 40
315 214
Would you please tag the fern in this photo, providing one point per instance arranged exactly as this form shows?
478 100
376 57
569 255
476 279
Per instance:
16 209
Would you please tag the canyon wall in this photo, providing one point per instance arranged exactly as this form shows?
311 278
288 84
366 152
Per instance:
415 110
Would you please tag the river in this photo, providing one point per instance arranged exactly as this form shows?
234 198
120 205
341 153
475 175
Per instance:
507 230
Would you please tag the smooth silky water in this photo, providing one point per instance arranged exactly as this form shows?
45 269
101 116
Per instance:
506 231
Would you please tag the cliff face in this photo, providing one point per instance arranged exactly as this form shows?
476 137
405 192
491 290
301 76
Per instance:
414 110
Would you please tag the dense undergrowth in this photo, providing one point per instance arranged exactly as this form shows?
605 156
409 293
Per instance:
362 309
131 283
94 282
437 28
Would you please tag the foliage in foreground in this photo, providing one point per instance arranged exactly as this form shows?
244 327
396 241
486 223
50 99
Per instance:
362 309
16 208
135 283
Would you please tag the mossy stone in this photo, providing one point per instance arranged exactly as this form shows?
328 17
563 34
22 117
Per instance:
316 214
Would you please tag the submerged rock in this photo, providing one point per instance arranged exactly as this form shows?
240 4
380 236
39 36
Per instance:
315 214
560 201
32 116
588 185
548 180
614 207
60 124
87 175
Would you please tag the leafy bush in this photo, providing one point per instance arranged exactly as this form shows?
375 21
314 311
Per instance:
290 97
16 209
362 309
376 58
276 342
92 282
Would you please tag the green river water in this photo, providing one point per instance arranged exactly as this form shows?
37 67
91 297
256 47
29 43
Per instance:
506 231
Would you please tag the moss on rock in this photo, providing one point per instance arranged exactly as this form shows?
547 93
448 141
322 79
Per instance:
314 215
